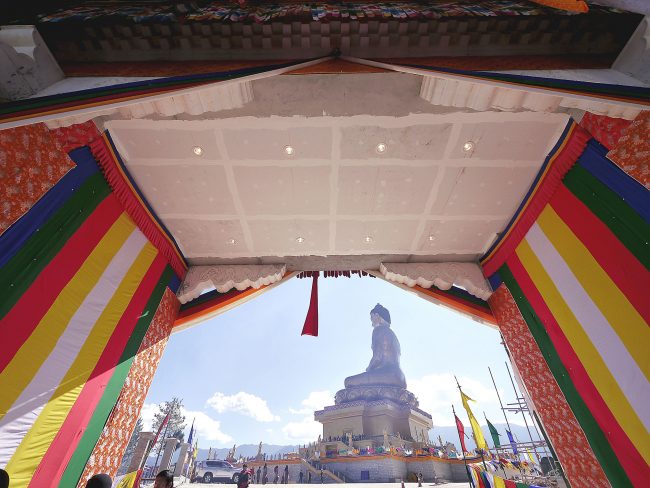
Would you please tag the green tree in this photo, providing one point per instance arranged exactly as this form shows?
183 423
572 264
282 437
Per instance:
130 447
176 425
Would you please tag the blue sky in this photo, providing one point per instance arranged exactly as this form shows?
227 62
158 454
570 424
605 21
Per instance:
248 376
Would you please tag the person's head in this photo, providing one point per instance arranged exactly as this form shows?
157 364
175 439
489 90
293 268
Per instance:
164 479
4 479
379 316
99 481
244 467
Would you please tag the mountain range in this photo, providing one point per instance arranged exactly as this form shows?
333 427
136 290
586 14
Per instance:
447 433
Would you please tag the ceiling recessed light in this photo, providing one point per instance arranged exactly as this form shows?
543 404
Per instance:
232 242
198 150
468 146
432 237
367 239
300 240
381 147
289 150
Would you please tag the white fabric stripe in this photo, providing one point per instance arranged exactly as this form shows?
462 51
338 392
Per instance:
26 409
617 358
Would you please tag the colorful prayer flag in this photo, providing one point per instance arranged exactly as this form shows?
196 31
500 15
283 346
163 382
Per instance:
130 480
461 433
478 434
512 441
493 432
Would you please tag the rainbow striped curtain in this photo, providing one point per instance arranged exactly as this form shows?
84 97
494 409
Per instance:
576 261
80 284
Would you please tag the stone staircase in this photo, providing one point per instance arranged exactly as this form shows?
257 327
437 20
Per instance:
328 476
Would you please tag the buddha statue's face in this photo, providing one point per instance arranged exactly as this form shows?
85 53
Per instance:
376 319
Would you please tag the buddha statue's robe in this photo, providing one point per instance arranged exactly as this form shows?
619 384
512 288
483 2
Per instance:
384 369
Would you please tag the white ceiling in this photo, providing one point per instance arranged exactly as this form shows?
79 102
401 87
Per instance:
423 197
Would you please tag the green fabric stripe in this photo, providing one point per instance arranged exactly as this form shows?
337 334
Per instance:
460 293
92 96
627 225
597 440
20 272
206 297
78 461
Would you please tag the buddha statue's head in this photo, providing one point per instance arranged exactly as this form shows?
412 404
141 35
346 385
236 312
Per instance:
379 316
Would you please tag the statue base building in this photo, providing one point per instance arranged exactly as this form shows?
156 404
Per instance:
375 416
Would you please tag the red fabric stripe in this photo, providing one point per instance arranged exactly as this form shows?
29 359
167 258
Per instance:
25 315
510 483
210 303
60 451
634 465
131 203
629 275
562 163
89 103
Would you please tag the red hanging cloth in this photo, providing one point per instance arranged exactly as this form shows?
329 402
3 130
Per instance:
311 321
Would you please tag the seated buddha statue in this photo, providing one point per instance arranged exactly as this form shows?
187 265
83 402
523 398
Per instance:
383 369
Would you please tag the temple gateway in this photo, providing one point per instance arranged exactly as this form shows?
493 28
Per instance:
163 162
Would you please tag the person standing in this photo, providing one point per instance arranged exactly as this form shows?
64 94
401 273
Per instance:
286 474
259 472
321 476
309 477
420 477
300 476
276 476
244 478
265 476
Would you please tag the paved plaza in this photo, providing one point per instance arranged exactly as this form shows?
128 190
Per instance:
345 485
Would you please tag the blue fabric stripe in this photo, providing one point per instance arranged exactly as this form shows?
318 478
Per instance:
174 283
587 87
594 159
21 230
142 197
495 281
529 193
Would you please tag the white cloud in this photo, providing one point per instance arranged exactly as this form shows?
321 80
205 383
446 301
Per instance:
437 392
307 429
244 403
147 414
206 427
316 400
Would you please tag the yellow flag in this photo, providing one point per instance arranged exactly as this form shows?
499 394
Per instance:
129 480
478 434
530 456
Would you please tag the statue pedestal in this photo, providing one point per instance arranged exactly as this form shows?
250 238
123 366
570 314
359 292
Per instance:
372 411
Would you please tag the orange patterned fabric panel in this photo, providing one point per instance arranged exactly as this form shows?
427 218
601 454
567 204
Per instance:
107 454
570 444
77 135
606 130
568 5
31 162
632 151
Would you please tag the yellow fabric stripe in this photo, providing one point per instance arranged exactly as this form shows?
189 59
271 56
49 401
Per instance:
613 304
498 482
35 444
595 367
35 350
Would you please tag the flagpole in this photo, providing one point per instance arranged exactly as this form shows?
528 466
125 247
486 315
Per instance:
475 441
469 476
162 441
530 436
